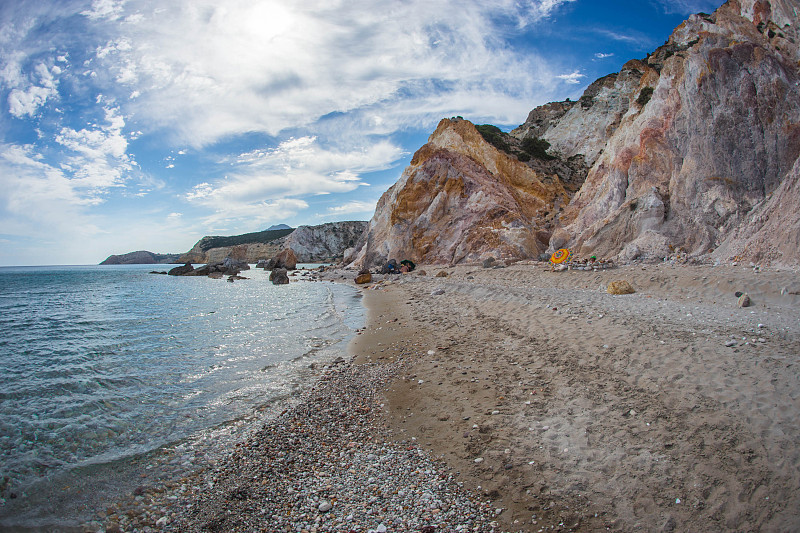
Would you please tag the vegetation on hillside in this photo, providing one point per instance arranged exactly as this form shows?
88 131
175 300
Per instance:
246 238
524 151
644 96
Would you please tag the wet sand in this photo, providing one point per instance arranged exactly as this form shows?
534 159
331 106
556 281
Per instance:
668 409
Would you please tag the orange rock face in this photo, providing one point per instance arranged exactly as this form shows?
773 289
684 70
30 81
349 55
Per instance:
460 200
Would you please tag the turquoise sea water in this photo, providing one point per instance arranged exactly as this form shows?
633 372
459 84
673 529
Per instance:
101 367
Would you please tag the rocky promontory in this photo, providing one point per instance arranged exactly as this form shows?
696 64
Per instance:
321 243
142 257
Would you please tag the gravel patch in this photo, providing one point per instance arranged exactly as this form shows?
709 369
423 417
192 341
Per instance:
325 464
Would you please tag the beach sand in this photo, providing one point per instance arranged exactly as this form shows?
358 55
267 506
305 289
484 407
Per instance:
521 399
668 409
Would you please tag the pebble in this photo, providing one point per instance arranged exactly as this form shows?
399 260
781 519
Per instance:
325 464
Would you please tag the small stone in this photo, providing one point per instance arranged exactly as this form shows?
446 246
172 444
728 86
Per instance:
442 274
479 460
731 344
364 278
161 522
437 292
325 506
744 300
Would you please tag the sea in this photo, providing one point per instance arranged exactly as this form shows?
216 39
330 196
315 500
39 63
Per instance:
113 377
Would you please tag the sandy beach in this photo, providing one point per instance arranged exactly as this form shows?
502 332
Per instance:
521 399
668 409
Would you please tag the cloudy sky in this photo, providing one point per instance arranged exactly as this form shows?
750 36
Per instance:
143 124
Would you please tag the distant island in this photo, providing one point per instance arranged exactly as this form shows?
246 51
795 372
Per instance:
142 257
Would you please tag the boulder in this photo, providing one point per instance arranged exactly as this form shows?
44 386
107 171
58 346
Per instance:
620 287
233 266
489 262
285 259
181 270
361 279
744 300
442 274
279 276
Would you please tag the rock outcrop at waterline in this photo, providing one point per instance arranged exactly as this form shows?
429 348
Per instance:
692 149
311 244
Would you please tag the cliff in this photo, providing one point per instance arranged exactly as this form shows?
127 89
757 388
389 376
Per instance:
692 149
142 257
689 166
326 242
462 199
320 243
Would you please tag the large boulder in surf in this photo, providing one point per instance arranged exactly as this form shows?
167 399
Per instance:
279 276
285 259
181 270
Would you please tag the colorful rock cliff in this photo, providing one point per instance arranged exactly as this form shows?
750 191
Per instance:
692 149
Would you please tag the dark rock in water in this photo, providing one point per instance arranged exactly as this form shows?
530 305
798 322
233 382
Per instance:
279 276
157 272
205 270
215 275
233 266
181 270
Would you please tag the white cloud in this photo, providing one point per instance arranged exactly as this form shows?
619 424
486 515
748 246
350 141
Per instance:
207 70
27 101
688 7
98 157
355 206
37 198
601 55
572 78
105 9
296 168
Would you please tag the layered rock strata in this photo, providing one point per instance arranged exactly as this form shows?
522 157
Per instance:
691 166
461 199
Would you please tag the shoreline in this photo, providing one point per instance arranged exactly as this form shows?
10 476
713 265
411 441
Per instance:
547 402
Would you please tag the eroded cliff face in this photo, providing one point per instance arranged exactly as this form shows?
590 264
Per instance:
717 138
311 244
326 242
692 149
461 199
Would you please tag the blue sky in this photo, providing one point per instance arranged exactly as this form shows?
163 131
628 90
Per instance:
139 124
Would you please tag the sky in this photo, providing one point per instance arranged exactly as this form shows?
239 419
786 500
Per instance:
144 125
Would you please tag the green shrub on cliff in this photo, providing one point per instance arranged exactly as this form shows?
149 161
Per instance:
537 148
494 136
644 96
